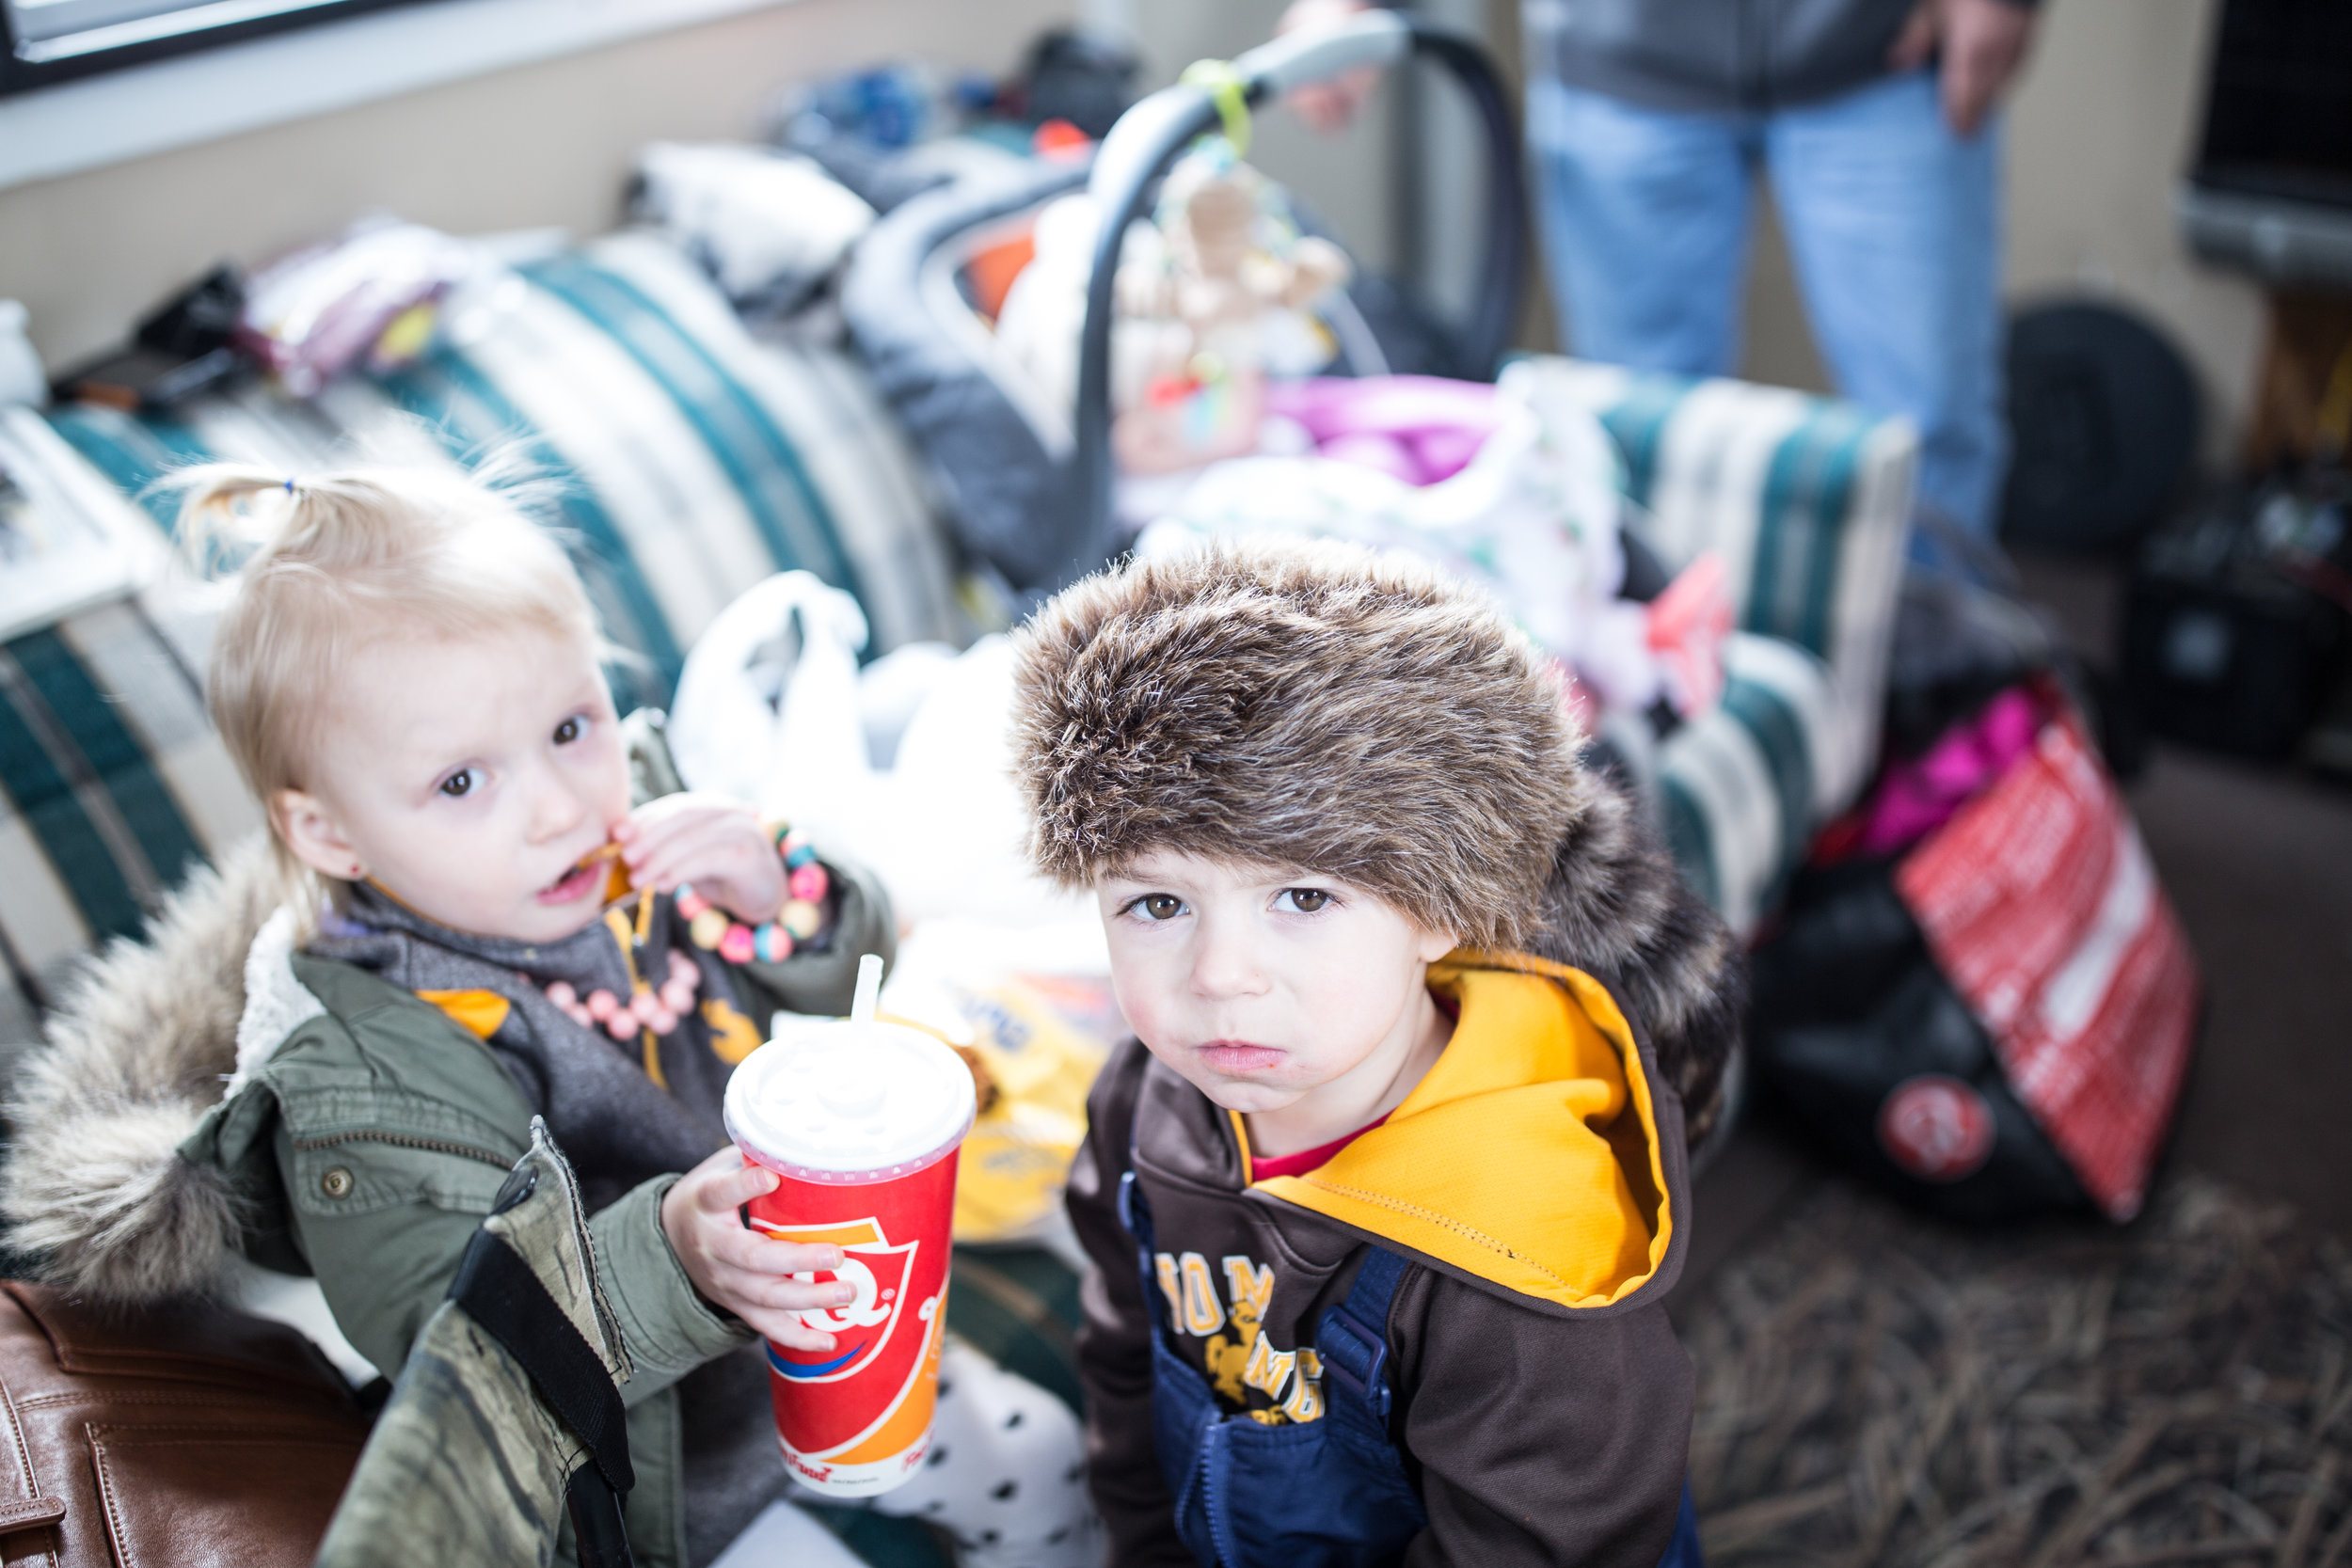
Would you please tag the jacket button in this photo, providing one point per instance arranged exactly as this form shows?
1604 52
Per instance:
336 1182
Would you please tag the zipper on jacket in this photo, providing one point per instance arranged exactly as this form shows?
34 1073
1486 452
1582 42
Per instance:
432 1146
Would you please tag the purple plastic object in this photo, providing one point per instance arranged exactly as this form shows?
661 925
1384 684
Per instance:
1917 798
1420 429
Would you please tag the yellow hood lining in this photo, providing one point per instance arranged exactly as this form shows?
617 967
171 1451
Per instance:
1463 1244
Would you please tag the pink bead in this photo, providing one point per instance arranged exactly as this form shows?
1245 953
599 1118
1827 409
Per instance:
678 998
662 1021
690 903
682 967
810 884
621 1025
562 995
602 1005
736 946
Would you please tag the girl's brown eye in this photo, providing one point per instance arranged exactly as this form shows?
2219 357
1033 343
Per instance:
567 731
1162 906
1308 900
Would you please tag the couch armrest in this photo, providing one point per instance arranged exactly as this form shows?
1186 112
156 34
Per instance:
1808 501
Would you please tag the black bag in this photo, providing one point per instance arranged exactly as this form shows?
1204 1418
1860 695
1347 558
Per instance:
1859 1038
2234 626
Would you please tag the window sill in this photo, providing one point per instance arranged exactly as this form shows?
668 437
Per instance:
83 125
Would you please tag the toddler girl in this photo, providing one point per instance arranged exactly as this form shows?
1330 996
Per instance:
502 907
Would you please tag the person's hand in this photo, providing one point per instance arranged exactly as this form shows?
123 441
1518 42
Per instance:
1983 43
748 1274
1329 106
712 842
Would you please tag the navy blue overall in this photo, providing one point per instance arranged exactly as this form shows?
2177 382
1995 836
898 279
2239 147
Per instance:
1324 1493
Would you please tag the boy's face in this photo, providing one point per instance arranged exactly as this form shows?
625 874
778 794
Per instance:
1265 987
468 777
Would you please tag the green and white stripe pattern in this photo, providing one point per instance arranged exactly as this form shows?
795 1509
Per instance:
111 781
1808 501
1743 786
689 461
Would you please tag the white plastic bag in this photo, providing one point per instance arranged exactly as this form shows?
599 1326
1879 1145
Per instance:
772 708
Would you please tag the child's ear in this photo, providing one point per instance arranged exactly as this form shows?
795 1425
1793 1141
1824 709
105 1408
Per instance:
311 830
1436 944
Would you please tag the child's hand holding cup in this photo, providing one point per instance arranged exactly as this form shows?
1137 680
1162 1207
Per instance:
852 1129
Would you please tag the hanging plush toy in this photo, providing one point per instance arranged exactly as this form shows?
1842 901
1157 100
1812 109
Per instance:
1234 272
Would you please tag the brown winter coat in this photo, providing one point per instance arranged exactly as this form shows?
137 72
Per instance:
1535 1184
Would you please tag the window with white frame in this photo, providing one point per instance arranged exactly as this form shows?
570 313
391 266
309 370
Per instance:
58 40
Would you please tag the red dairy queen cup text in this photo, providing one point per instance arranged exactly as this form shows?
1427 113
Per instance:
857 1418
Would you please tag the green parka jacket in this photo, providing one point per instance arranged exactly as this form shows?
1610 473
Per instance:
368 1145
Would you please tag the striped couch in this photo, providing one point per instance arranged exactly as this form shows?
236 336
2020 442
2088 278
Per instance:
693 461
689 461
1808 501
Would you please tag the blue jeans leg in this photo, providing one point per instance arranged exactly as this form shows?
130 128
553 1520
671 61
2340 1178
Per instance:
1894 224
1645 219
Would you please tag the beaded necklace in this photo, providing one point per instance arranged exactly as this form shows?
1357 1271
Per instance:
657 1008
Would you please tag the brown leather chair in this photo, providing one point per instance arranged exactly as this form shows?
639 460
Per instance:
183 1436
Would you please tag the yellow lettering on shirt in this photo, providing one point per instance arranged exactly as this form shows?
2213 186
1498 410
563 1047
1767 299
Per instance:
1249 1287
1269 1368
1236 1357
1305 1401
1203 1313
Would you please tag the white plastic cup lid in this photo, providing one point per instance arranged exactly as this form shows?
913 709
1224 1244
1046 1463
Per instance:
850 1103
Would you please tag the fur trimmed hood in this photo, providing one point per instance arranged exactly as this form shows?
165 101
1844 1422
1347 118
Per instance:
139 1049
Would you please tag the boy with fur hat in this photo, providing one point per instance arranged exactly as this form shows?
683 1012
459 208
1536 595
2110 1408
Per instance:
1385 1195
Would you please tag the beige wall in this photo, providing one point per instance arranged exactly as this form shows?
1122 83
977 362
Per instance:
2103 123
544 144
2103 129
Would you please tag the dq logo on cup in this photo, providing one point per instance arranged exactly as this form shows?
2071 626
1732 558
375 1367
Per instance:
861 1330
855 1419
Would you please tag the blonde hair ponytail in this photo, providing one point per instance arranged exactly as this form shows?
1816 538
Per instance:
330 564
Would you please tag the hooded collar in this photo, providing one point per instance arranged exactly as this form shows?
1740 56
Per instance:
1532 1155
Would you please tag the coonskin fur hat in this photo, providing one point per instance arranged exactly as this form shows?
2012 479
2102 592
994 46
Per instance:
1306 705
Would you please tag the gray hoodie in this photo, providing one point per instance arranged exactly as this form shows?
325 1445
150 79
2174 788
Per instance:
1714 56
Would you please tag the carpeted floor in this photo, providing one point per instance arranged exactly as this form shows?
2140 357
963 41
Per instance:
1879 1390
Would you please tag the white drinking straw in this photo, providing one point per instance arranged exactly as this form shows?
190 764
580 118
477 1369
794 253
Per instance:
868 989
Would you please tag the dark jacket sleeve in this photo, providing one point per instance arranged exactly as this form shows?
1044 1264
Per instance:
1114 1346
1538 1439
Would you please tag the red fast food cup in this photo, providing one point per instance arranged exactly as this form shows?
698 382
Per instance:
860 1122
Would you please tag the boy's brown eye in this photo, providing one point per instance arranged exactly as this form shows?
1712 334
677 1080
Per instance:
1308 900
567 731
1160 905
458 783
